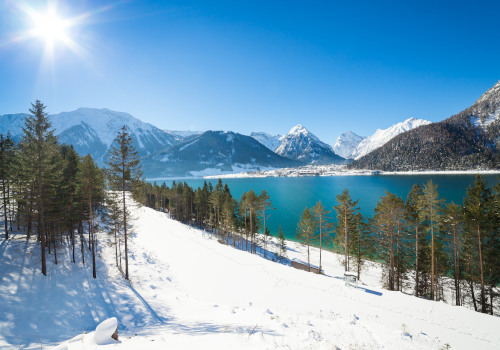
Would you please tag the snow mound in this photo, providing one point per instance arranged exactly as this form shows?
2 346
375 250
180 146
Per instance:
105 332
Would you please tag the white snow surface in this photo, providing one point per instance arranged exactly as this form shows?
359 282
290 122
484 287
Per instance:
381 137
271 142
188 291
346 144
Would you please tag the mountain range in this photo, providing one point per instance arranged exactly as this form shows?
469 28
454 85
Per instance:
467 140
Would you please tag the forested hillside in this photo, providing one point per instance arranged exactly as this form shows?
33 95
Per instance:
467 140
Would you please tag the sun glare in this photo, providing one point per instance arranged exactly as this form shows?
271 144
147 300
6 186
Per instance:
50 27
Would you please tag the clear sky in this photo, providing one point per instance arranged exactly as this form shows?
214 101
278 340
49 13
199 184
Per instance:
253 65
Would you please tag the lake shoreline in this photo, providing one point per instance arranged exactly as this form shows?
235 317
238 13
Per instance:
324 171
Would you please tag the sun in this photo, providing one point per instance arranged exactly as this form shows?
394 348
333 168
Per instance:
49 27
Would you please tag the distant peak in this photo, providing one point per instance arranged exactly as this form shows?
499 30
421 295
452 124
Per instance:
297 129
492 93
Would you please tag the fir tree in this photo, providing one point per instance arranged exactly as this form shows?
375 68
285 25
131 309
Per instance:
478 218
265 204
125 172
346 210
306 229
322 218
6 159
430 212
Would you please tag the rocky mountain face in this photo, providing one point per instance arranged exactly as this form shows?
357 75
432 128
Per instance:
302 145
271 142
382 136
212 153
346 144
92 131
467 140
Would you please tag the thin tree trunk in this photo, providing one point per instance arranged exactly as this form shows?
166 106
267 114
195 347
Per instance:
416 260
6 219
125 221
483 294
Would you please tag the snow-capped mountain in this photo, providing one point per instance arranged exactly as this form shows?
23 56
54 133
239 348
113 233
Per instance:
300 144
92 131
382 136
347 143
213 153
468 140
181 135
271 142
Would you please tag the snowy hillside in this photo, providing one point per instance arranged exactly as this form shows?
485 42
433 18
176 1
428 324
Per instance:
271 142
188 291
381 137
347 143
91 131
300 144
181 135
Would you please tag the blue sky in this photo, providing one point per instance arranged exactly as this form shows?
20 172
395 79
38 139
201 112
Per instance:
257 65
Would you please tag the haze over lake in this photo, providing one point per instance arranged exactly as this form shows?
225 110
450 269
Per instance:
290 195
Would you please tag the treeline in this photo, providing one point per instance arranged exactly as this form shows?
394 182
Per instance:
233 221
420 241
50 192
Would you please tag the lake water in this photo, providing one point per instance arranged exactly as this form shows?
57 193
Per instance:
290 195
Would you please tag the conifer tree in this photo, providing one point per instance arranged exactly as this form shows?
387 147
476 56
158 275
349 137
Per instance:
430 212
91 187
322 218
125 172
265 203
6 159
38 144
346 210
281 245
388 227
478 219
414 225
306 229
452 222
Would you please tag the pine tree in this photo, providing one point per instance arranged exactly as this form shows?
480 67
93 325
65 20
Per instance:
38 144
6 159
306 229
281 251
414 224
265 203
125 172
452 222
430 212
322 219
478 219
91 187
388 226
346 211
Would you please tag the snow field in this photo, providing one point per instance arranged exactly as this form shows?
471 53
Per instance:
190 291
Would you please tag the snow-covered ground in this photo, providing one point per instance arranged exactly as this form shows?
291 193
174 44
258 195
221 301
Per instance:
187 290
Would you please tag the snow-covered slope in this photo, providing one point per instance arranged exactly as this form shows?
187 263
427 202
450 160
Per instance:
347 143
181 135
188 291
381 137
92 131
300 144
271 142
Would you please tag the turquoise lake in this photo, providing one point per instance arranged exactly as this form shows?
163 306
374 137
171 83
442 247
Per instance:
290 195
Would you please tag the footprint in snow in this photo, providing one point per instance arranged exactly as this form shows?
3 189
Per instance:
269 312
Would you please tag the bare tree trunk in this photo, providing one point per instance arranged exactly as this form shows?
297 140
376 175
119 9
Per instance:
483 294
416 260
